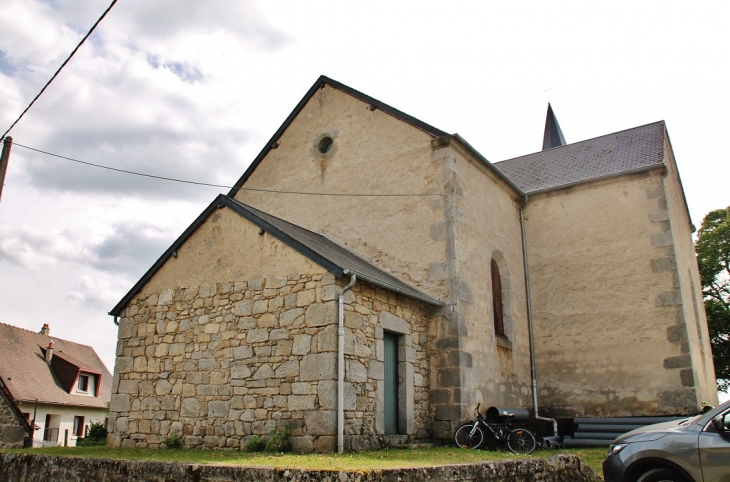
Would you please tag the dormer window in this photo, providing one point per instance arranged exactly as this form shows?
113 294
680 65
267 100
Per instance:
87 384
83 383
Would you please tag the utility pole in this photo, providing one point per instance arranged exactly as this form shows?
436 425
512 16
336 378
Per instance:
7 144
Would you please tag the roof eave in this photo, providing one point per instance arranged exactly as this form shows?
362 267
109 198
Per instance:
223 201
659 166
165 256
388 286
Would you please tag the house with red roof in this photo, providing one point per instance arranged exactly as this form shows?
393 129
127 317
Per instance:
58 386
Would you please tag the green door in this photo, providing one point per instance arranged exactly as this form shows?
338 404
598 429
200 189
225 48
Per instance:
390 342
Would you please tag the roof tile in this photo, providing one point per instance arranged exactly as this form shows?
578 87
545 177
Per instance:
28 376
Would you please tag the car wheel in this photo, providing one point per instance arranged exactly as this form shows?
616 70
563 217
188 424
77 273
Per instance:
661 474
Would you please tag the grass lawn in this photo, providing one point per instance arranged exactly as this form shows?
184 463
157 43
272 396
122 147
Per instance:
378 459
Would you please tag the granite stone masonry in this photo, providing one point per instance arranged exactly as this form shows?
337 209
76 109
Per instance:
44 468
220 363
12 431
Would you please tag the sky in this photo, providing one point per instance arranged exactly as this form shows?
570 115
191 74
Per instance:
193 90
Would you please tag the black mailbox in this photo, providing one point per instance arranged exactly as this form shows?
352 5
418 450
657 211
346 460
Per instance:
507 414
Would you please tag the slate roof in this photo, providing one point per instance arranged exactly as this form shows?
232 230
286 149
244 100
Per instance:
621 152
28 377
329 251
553 136
335 258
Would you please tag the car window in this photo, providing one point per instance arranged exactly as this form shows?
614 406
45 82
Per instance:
705 419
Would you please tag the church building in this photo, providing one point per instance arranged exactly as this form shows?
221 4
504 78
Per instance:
370 278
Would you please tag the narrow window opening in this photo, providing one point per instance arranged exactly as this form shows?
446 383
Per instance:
497 307
84 383
79 426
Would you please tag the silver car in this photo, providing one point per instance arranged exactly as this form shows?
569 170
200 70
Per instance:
693 450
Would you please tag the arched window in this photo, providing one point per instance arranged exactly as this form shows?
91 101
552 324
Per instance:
497 300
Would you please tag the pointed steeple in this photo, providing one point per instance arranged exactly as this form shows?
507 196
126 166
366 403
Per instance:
553 135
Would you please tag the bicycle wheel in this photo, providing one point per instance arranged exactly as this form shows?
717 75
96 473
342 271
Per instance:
521 441
468 436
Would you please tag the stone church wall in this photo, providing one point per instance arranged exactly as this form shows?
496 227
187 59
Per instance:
219 363
605 302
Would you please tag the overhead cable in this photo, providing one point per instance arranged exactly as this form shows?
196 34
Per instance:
59 69
163 178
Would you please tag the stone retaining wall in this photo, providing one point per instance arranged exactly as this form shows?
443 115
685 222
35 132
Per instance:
42 468
219 363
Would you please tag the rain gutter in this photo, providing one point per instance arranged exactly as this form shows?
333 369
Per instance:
530 328
341 362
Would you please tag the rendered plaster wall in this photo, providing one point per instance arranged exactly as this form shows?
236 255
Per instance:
471 364
373 153
228 247
604 307
63 420
695 369
220 363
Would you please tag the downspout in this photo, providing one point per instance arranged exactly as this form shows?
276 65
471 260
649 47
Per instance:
116 320
341 362
529 323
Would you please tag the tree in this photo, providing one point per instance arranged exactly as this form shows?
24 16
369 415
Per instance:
713 258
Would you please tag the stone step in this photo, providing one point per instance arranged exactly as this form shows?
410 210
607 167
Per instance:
412 446
393 440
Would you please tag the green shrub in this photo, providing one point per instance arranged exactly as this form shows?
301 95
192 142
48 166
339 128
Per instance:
97 430
278 441
172 442
96 436
254 444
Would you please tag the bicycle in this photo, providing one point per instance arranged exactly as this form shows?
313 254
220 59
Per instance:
471 435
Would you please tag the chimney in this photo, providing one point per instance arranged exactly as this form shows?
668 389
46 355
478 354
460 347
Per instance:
45 330
49 352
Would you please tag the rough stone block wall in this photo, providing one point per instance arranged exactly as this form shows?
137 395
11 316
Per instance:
219 363
45 468
11 431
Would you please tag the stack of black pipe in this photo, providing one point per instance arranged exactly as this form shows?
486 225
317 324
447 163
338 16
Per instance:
600 432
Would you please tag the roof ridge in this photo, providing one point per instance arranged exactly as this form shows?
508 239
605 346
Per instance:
584 140
49 336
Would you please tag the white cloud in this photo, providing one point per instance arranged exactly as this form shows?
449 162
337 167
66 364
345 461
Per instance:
192 90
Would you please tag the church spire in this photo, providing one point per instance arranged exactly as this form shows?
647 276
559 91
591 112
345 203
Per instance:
553 135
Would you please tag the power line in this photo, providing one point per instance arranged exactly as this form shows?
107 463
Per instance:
59 69
163 178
